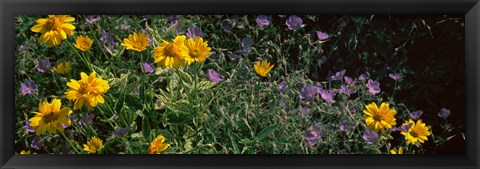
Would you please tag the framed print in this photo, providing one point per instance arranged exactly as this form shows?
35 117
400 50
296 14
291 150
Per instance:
239 84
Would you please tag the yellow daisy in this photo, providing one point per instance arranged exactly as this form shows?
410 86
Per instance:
25 152
54 29
198 50
94 146
172 54
62 68
418 132
83 43
379 119
157 146
400 151
88 90
137 42
262 68
50 118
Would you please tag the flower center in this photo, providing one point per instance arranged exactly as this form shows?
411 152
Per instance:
414 133
53 24
194 53
377 117
49 118
170 50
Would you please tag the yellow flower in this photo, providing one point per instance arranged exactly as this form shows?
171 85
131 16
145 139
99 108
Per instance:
417 133
88 90
137 42
263 68
50 118
54 29
83 43
172 54
95 145
400 151
25 152
62 68
379 119
157 146
198 50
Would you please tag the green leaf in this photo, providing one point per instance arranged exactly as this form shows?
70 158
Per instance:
204 85
146 128
267 131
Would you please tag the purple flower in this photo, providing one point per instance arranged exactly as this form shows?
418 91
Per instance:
232 56
444 113
373 86
43 65
416 114
370 136
28 87
194 32
247 42
305 112
313 134
346 125
346 90
24 46
363 77
92 19
322 36
322 60
294 22
122 131
326 95
87 119
262 20
338 76
214 76
147 68
308 93
124 26
227 25
349 80
36 142
28 128
405 127
108 41
283 86
395 76
172 18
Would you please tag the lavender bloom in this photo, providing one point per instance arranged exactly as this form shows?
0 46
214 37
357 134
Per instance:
346 90
226 25
28 128
349 80
403 127
313 134
145 17
262 20
214 76
346 125
373 86
305 112
122 131
43 65
283 86
308 93
147 68
322 36
326 95
444 113
108 41
416 114
339 75
294 22
194 32
246 44
370 136
28 87
363 77
24 46
124 26
36 142
172 18
87 120
395 76
92 19
322 60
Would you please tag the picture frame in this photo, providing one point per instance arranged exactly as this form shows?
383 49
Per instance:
11 8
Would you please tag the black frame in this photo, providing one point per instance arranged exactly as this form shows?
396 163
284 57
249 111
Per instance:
11 8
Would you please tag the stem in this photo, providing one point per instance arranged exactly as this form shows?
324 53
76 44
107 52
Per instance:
89 63
98 43
68 140
79 55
